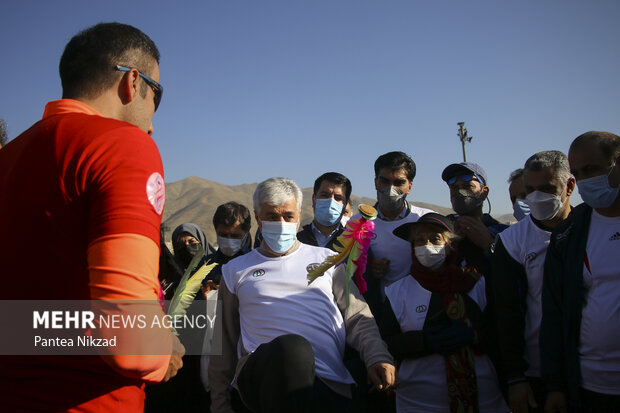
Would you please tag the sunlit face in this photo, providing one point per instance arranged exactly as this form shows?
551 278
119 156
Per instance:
347 210
426 234
517 189
287 212
328 190
230 231
397 179
186 239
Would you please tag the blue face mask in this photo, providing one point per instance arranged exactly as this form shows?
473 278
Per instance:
597 192
279 235
520 209
327 211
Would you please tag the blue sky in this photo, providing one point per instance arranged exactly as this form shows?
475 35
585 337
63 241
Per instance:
255 89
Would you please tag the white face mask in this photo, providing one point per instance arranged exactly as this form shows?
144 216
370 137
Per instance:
431 256
544 206
229 246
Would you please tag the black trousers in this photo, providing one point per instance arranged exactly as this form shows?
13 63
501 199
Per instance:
279 377
599 403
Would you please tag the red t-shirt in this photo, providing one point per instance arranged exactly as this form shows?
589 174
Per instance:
70 179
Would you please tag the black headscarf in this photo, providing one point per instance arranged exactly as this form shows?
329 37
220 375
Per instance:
184 253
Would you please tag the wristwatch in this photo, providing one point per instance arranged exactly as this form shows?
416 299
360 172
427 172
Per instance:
492 248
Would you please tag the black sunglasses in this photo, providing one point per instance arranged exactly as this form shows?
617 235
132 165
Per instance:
464 178
158 89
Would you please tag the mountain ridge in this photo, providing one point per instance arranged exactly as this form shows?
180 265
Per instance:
195 199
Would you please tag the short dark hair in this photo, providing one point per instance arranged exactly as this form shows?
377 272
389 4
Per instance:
514 175
3 133
336 178
87 64
229 213
608 143
396 161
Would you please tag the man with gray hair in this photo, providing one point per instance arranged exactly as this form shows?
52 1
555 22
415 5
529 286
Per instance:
518 265
282 339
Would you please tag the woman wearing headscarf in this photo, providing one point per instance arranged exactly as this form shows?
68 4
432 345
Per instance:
184 392
187 239
434 323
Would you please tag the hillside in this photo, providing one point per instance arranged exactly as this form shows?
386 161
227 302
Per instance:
195 200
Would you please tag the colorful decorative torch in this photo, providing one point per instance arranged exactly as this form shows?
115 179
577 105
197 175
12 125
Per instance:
354 242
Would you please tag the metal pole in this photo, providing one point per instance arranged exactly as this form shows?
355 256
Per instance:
462 133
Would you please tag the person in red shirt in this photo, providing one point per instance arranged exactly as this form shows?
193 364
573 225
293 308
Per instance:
87 179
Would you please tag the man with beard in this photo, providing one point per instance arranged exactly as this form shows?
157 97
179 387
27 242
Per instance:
74 179
389 257
468 191
331 193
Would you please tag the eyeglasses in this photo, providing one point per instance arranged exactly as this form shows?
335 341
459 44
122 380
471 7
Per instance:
464 178
158 89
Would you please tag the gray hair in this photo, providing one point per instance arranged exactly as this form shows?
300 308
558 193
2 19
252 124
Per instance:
550 159
514 175
276 191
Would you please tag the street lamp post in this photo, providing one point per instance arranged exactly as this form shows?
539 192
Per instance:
464 138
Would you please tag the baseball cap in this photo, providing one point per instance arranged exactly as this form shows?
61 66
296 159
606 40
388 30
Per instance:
441 221
457 168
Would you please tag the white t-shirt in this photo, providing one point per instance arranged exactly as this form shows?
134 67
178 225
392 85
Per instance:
527 244
275 299
387 245
423 386
599 348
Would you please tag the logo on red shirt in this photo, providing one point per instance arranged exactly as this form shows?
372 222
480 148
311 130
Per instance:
156 192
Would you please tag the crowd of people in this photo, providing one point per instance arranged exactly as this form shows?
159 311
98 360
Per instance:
461 313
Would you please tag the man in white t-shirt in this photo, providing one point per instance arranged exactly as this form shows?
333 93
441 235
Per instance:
283 339
518 268
580 332
390 256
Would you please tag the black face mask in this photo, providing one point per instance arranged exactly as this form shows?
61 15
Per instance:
187 252
465 202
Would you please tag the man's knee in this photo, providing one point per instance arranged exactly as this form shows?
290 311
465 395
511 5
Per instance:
293 351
